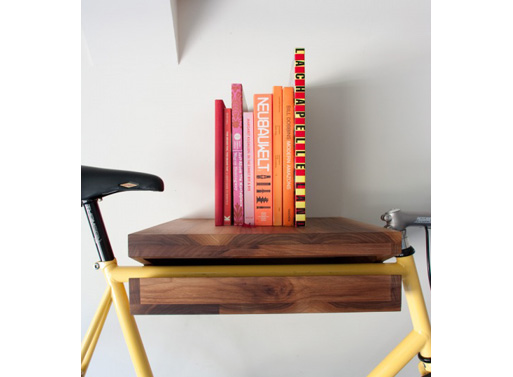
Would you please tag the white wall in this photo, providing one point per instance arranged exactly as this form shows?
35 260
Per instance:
148 105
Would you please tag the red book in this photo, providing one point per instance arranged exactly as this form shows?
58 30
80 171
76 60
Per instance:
219 171
227 215
263 135
237 156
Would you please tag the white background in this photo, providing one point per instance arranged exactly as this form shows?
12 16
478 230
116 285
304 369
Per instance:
148 105
369 84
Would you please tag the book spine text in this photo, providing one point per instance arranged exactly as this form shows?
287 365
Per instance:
263 109
227 212
249 169
237 157
288 157
277 156
299 136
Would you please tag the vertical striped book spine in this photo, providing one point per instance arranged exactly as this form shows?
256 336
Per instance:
300 136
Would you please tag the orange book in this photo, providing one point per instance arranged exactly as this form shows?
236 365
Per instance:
263 154
277 156
288 156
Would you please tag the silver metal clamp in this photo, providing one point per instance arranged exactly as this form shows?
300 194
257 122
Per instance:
399 220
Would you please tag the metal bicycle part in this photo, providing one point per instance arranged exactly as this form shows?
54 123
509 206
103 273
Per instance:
400 220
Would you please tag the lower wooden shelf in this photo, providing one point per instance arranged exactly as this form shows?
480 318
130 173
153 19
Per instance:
260 295
323 241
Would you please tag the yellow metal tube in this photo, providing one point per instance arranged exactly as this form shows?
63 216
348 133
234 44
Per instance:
127 321
419 340
400 356
123 274
424 368
416 303
130 331
95 328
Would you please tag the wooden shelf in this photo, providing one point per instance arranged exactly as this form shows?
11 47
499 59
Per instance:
197 242
265 295
323 240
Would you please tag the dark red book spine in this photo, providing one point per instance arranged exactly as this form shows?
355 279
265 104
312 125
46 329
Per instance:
219 166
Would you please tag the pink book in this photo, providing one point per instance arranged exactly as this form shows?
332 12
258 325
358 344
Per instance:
227 155
249 176
237 157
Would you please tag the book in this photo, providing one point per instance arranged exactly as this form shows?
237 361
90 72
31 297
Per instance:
237 157
227 156
277 156
288 157
300 136
219 147
249 166
262 113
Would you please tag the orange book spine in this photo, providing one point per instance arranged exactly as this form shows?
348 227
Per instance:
277 156
263 136
288 156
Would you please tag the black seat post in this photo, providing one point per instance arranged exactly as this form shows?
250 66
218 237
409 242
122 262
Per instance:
101 239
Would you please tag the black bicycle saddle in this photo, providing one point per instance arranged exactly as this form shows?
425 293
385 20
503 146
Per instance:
99 182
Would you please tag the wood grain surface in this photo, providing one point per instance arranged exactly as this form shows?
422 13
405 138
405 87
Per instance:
197 241
258 295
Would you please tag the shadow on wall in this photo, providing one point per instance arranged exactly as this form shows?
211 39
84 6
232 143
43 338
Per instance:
189 15
368 146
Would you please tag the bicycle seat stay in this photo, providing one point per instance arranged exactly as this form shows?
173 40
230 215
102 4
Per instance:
99 182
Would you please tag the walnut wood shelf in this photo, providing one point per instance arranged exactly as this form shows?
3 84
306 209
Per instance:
196 241
322 241
264 295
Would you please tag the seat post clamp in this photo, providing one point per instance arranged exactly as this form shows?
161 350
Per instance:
407 252
426 360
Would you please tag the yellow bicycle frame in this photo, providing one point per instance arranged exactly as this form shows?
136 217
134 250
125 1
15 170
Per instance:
417 341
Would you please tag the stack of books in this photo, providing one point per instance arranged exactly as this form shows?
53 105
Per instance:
260 156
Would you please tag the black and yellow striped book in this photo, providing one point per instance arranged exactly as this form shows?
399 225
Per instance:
300 136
